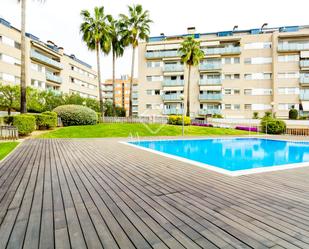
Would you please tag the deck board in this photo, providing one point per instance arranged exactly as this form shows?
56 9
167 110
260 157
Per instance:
98 193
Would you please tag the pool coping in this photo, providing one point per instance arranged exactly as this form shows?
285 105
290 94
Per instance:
216 168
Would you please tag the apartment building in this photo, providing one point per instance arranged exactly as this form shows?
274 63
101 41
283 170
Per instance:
122 93
47 66
244 71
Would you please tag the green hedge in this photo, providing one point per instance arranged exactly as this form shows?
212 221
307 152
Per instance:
76 115
177 120
293 114
24 123
273 126
46 120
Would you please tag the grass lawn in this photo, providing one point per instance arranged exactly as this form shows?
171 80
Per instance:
6 148
126 130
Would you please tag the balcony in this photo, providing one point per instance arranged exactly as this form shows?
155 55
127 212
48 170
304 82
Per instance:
172 111
53 78
134 109
304 63
304 80
210 82
173 68
212 96
209 111
172 97
134 102
161 54
226 50
304 95
168 82
107 88
44 59
134 95
210 66
108 95
293 47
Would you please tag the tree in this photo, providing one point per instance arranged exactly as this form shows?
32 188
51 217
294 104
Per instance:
117 44
95 33
23 87
135 27
9 97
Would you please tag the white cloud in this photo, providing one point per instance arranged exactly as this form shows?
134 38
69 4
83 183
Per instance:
58 20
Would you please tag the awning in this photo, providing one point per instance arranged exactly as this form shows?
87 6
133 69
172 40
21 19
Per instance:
172 73
305 105
212 88
304 54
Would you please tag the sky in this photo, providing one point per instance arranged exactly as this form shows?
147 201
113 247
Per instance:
59 20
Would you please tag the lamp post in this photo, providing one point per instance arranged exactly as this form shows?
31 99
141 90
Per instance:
183 113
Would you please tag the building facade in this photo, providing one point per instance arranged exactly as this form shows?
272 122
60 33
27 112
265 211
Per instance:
244 71
47 66
122 93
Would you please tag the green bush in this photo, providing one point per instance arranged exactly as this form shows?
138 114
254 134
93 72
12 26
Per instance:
76 115
99 117
255 115
217 116
24 123
293 114
8 120
273 126
46 120
177 120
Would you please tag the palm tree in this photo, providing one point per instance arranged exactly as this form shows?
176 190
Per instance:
117 43
191 55
95 31
135 28
23 98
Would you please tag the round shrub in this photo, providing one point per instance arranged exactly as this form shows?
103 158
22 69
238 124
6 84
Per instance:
24 123
273 126
76 115
293 114
177 120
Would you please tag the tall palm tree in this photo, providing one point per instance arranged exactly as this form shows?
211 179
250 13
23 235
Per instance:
135 28
23 98
117 44
95 31
191 55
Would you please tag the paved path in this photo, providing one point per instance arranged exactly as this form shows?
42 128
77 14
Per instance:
97 193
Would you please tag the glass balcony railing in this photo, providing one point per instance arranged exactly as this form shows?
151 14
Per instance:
172 111
174 97
293 47
304 63
226 50
173 68
168 82
304 95
108 95
53 78
134 102
210 66
212 96
134 109
134 95
210 81
209 111
304 80
108 88
44 59
162 54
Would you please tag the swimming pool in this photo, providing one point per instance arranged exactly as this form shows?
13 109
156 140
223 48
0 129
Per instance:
233 156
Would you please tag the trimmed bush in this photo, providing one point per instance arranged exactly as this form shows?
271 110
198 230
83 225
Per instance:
217 116
24 123
99 117
177 120
76 115
8 120
46 120
293 114
246 128
255 115
273 126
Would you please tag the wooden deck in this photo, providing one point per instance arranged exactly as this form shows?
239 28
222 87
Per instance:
97 193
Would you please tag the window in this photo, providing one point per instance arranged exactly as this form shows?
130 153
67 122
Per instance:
288 58
228 60
289 75
157 92
236 106
248 91
153 64
148 106
236 76
149 92
154 78
228 106
257 45
228 76
258 60
228 91
236 60
248 106
8 77
258 76
236 91
288 90
9 59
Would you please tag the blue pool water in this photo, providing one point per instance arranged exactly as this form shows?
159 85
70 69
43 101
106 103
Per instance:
234 154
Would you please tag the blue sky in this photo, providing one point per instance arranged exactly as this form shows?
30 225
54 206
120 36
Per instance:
58 20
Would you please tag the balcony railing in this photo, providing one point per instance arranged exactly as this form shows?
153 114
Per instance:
108 88
304 95
162 54
210 81
53 78
213 96
304 80
226 50
304 63
42 58
168 82
134 102
293 47
172 111
174 97
210 66
209 111
134 95
108 95
134 109
172 68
